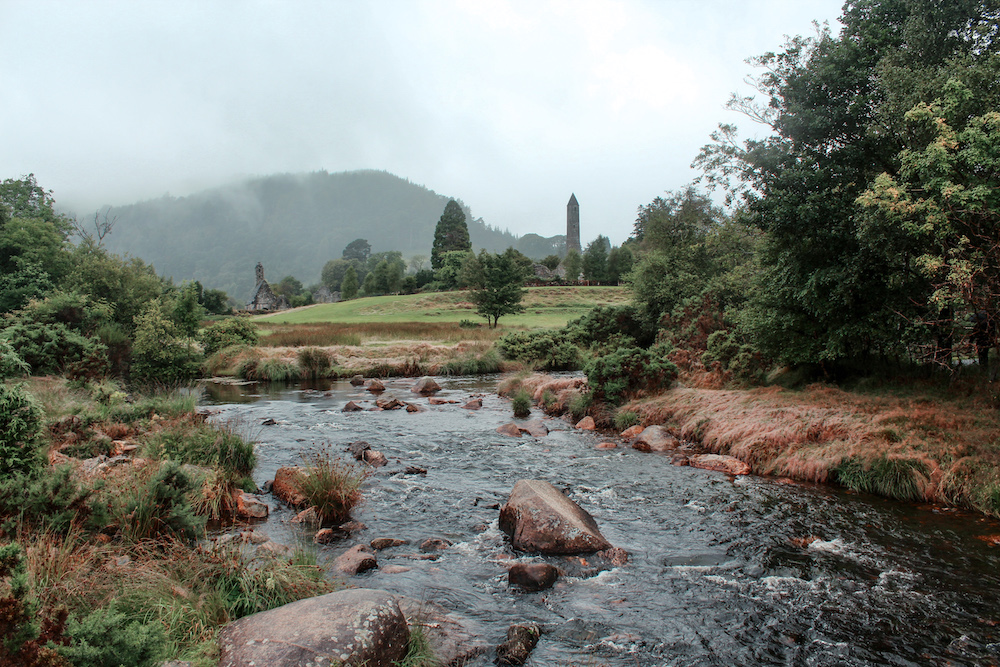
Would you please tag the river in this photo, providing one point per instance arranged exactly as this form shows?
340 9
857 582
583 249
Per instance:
723 571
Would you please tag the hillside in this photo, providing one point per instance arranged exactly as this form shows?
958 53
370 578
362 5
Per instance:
293 223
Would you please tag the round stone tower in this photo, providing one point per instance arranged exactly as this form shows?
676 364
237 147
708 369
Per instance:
572 224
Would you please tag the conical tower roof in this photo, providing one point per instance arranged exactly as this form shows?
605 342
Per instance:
572 200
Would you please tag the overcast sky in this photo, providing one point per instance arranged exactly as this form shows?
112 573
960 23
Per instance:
509 106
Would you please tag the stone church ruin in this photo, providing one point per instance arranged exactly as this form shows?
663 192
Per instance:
263 299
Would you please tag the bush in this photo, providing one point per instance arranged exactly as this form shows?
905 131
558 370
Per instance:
314 362
630 371
473 364
159 354
201 444
161 507
107 637
740 359
579 405
25 635
551 350
228 332
332 486
51 349
521 403
20 418
56 501
603 322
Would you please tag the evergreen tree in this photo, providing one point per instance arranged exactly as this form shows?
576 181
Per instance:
499 288
572 262
450 234
595 260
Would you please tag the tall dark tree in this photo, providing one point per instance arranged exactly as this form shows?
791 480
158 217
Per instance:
595 260
451 234
349 285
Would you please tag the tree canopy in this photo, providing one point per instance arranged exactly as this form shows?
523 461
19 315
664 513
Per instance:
450 235
499 285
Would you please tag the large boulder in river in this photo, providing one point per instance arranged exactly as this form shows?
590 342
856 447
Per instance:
425 385
535 428
727 464
376 387
510 429
540 519
356 626
655 439
532 576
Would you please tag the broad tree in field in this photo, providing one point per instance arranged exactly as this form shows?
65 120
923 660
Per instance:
500 286
358 249
451 234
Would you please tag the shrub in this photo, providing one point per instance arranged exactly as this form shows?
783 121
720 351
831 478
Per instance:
551 350
521 403
630 371
21 419
468 324
107 637
25 636
228 332
55 501
626 419
51 349
473 364
161 507
226 359
159 353
603 322
332 486
222 446
741 359
314 362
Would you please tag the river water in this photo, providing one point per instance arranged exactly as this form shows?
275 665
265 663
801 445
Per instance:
723 571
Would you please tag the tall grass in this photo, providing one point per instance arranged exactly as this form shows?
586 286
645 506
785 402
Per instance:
332 486
314 362
330 334
474 364
884 476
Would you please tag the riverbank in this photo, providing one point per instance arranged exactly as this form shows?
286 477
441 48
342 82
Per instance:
914 445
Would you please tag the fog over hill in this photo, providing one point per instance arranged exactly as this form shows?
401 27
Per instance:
292 223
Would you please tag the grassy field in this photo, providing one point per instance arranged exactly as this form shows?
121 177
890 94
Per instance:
545 307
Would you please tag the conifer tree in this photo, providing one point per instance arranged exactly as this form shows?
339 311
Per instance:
451 233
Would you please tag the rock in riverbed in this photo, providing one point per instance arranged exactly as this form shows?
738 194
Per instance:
353 627
720 462
539 518
655 439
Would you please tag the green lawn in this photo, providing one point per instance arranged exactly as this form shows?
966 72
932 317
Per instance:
545 307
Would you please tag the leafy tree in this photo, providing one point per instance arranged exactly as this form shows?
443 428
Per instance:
619 263
289 286
216 301
187 311
449 273
388 276
28 281
451 234
595 260
349 285
551 262
836 106
159 353
127 284
25 198
237 330
358 249
369 286
334 271
416 263
500 288
573 263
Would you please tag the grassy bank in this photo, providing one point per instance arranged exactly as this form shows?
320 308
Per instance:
923 443
101 533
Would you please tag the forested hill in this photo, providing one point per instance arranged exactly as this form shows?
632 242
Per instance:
293 223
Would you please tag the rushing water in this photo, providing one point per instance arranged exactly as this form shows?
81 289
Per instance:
745 571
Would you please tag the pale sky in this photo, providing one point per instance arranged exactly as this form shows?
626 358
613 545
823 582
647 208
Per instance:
507 105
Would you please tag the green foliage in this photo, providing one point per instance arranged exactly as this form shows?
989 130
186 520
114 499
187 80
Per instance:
55 501
620 261
595 260
626 419
332 486
23 635
573 264
739 358
21 418
474 364
159 354
456 268
349 284
11 365
451 233
521 402
551 262
630 371
215 301
228 332
314 362
500 286
418 651
892 478
224 446
602 323
162 506
358 249
579 404
187 310
277 370
51 349
26 282
106 637
551 350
